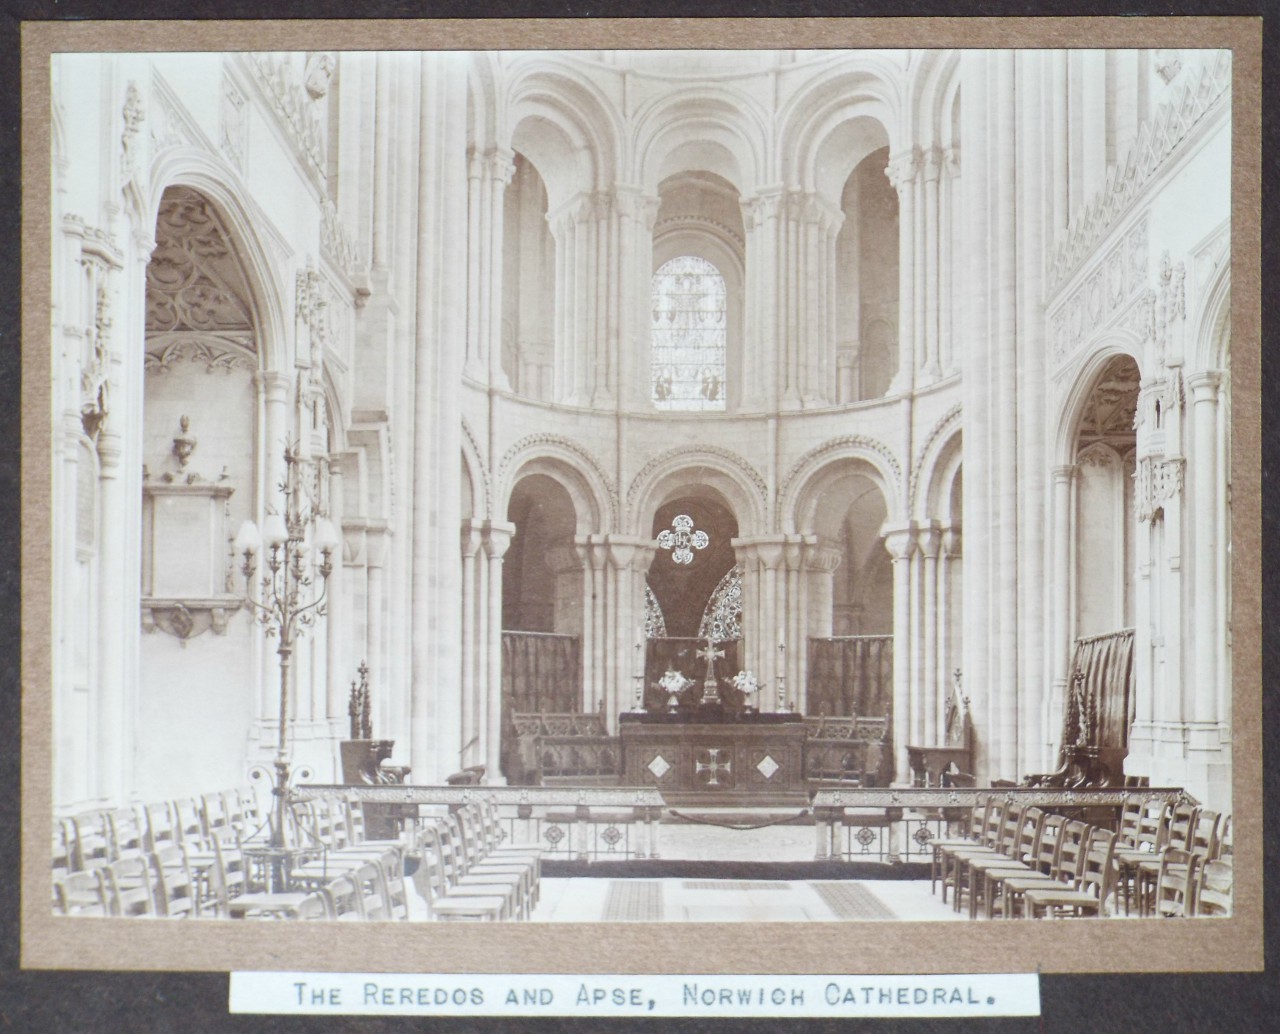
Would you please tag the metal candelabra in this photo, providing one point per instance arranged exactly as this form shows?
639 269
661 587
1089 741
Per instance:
288 602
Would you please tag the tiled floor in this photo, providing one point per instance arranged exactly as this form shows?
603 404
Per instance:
589 900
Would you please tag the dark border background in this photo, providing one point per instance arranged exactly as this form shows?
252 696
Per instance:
39 1001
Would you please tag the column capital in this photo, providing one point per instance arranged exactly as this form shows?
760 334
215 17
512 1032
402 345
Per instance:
497 538
593 549
767 549
952 540
1063 473
471 538
376 535
929 539
822 558
353 541
273 385
899 540
903 168
1204 385
110 447
932 161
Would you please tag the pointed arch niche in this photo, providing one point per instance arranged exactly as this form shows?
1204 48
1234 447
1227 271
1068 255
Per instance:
197 667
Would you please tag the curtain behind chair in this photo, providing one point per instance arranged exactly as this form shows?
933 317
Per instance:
1100 707
850 675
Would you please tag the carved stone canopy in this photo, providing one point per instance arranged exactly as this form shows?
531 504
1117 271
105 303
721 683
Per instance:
195 280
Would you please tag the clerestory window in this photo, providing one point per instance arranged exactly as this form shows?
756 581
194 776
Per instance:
688 342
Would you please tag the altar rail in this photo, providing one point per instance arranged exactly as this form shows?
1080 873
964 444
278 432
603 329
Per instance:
569 823
900 824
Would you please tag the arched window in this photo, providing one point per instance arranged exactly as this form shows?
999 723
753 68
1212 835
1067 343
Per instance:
688 358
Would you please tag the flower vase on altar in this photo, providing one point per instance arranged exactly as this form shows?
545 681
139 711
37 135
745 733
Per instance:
673 684
746 683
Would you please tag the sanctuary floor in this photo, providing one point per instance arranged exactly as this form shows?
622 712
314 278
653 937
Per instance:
587 900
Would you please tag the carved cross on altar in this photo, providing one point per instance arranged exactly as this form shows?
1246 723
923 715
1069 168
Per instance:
713 766
710 691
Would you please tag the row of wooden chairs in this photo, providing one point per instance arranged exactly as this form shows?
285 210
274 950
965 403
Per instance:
1022 859
96 838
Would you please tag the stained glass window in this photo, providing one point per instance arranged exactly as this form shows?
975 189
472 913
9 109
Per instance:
688 308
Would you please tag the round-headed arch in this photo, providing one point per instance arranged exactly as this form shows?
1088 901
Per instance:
799 494
572 467
719 474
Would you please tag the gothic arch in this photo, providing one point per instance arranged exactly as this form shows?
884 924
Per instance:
1067 424
571 466
739 485
261 253
1213 330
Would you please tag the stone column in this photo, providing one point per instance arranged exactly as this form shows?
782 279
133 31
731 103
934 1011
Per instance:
1002 714
385 703
337 631
900 541
116 720
946 252
499 167
902 171
471 537
932 168
1060 587
1207 637
497 539
929 688
582 546
949 554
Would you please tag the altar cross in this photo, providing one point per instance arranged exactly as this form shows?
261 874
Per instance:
710 654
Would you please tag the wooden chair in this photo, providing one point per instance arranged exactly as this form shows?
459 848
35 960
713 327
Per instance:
973 829
1205 833
470 871
998 849
289 905
176 892
188 821
91 842
432 884
81 894
1213 891
130 886
1093 883
1175 883
1225 846
1043 863
1073 841
985 837
1018 853
1138 844
159 830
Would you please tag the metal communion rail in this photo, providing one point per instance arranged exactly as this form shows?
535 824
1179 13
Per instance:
593 823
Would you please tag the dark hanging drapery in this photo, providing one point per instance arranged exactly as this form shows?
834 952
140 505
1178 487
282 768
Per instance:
541 674
1100 705
850 676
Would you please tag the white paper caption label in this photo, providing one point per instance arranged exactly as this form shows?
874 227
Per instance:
560 994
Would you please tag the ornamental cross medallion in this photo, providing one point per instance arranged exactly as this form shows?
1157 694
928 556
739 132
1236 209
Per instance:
681 538
713 766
